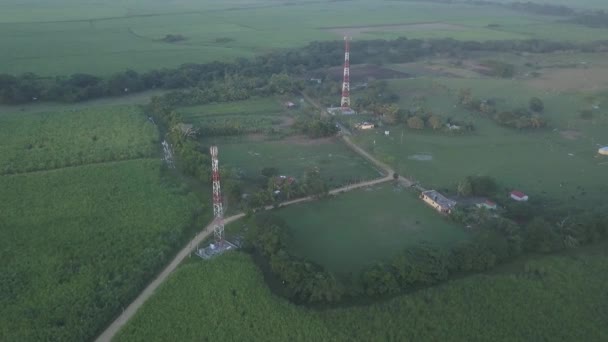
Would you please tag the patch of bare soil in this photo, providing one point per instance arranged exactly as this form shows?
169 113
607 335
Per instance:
590 79
365 72
354 31
570 134
303 140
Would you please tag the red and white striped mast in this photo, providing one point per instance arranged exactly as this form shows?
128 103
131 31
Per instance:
218 210
345 102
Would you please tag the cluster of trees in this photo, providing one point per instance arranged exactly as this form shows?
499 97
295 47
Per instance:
497 69
520 118
305 281
257 71
312 184
420 118
193 158
477 186
316 126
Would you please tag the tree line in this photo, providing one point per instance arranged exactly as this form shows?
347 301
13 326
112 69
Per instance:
523 228
257 72
529 117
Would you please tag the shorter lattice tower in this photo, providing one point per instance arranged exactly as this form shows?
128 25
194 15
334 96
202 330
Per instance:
218 210
345 102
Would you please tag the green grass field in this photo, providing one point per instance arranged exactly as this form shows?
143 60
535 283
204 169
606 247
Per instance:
256 115
79 242
50 140
360 228
542 163
558 298
105 37
293 156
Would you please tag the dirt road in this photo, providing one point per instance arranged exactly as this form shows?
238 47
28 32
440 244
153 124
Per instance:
149 290
109 333
187 250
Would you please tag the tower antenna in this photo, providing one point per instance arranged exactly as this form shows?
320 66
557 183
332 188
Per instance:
345 102
218 210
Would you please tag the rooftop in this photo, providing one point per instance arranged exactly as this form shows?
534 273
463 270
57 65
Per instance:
439 198
518 193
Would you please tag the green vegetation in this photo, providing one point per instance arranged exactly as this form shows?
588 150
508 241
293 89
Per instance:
79 242
516 159
263 115
293 156
43 141
357 229
103 38
571 288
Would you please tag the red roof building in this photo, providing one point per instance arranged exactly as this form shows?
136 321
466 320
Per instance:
519 196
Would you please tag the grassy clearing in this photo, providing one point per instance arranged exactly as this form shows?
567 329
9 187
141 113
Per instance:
570 288
360 228
517 159
102 38
253 115
293 156
77 244
41 141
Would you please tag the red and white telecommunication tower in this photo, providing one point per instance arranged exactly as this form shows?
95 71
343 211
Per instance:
345 102
218 210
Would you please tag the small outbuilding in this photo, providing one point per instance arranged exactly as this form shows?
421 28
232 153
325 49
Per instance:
290 105
487 204
603 151
365 125
519 196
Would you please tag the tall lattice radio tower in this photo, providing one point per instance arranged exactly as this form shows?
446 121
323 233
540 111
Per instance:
218 210
345 102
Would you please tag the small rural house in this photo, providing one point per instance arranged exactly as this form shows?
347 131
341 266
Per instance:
290 104
283 180
519 196
487 204
436 200
603 151
365 125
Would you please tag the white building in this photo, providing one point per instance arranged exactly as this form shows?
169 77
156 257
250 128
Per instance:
603 151
365 125
436 200
519 196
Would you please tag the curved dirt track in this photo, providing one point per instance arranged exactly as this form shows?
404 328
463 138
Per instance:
110 331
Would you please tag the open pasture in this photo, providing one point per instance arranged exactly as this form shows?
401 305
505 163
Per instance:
105 37
257 115
51 140
570 288
360 228
559 161
245 157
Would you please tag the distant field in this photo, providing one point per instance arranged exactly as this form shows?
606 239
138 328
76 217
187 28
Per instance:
105 37
78 242
558 162
360 228
50 140
570 289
